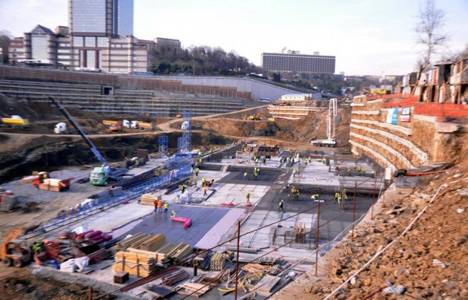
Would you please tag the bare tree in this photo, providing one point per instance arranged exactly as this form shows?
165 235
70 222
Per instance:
429 29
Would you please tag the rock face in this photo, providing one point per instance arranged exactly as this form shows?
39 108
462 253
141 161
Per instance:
428 262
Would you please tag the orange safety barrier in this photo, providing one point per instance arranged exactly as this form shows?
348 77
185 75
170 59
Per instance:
400 101
442 110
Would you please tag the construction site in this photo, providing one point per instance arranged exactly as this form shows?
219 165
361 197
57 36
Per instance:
114 187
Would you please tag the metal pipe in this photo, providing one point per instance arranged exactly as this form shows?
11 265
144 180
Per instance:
237 260
317 238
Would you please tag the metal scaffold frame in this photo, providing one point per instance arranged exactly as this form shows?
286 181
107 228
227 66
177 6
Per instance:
163 142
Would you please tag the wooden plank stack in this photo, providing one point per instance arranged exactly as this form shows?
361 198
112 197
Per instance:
137 264
194 289
140 254
148 199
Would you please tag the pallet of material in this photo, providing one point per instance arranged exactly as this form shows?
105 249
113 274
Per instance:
148 199
181 251
124 244
141 264
158 257
153 243
164 251
175 277
193 289
255 268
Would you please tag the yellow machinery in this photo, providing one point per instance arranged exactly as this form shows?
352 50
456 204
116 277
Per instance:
15 121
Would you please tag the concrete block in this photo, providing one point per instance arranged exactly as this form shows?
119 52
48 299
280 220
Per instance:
446 127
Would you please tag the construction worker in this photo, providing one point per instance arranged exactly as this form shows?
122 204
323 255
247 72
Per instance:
197 171
247 197
183 188
338 198
255 173
166 206
160 205
295 192
315 196
156 205
343 195
281 205
173 214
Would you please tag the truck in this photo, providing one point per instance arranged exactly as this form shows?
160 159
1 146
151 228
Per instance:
99 176
15 120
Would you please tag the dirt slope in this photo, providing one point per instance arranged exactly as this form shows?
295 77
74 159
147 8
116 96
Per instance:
430 261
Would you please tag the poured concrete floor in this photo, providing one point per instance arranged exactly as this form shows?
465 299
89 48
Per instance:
203 219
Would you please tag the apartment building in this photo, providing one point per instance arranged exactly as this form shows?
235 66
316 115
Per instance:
100 38
294 62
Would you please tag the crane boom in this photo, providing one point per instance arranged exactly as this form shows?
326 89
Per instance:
91 145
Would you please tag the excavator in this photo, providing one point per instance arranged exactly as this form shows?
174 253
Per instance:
15 251
100 176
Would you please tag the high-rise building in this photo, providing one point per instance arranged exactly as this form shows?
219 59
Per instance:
100 38
298 63
101 17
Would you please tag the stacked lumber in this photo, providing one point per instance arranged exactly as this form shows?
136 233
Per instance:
152 243
217 261
181 251
194 289
148 199
175 277
126 243
141 263
255 268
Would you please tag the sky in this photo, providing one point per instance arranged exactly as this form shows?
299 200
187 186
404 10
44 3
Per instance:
368 37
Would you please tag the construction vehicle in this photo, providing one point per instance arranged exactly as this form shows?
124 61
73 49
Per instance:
116 127
253 117
15 120
99 176
60 128
15 251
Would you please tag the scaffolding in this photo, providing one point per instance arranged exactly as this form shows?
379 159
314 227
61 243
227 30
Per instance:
163 143
184 143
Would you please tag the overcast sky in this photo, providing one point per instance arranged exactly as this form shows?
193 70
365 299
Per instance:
366 36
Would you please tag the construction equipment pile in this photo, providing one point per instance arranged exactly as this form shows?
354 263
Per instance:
143 254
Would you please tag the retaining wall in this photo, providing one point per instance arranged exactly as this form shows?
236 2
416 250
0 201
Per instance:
427 135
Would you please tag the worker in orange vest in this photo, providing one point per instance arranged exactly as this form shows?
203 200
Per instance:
156 205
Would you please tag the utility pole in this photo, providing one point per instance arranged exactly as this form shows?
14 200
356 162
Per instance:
354 210
317 235
237 260
374 199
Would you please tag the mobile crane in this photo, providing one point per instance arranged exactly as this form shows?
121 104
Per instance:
99 175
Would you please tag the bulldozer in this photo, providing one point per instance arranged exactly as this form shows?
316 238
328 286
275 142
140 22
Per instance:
15 251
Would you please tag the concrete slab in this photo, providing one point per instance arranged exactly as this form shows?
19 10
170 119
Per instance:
237 194
244 160
114 218
203 219
219 230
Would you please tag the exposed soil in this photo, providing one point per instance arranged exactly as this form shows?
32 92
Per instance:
47 153
301 131
430 261
24 286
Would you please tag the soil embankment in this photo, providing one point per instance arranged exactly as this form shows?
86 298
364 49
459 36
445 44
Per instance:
429 261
